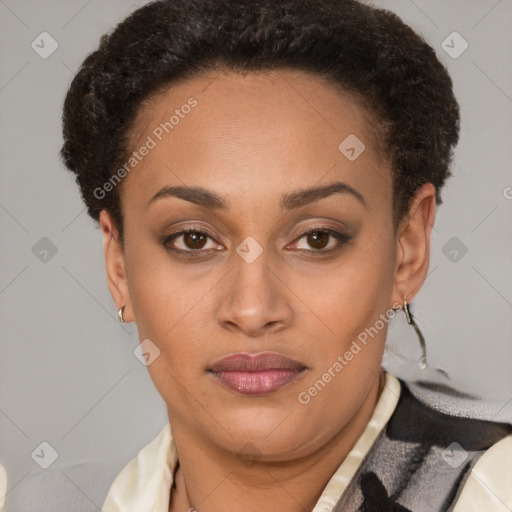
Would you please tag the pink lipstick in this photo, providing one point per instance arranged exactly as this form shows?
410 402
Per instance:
256 374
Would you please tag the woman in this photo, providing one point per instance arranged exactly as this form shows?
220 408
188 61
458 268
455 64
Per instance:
266 176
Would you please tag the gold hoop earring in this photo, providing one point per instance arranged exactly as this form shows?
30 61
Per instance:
120 315
423 345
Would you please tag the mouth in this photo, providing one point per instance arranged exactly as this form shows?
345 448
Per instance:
256 374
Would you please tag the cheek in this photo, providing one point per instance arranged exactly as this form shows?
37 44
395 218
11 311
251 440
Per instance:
157 299
170 304
351 293
347 359
170 311
160 294
168 316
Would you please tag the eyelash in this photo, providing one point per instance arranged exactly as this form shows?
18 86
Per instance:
340 237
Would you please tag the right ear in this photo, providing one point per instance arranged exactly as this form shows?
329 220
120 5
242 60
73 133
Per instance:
115 265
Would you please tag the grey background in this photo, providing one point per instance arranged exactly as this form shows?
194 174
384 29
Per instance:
68 375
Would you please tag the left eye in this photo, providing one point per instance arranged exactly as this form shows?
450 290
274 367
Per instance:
318 238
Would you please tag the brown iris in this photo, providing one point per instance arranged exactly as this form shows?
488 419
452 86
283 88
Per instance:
197 240
316 239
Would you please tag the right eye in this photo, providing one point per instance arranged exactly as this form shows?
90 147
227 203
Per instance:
193 240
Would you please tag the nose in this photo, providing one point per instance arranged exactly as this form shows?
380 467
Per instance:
255 300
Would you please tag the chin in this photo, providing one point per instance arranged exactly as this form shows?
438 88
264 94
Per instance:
268 431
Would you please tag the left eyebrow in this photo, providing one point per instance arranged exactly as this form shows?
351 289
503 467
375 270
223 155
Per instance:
296 199
306 196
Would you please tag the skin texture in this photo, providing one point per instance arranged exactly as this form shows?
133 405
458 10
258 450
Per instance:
252 138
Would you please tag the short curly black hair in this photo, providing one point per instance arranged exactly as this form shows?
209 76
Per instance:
368 52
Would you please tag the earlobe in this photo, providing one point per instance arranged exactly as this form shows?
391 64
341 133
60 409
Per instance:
413 244
115 265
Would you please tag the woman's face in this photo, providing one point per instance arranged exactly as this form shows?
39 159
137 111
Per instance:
256 162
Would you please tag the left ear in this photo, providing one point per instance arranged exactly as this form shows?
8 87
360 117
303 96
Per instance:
413 244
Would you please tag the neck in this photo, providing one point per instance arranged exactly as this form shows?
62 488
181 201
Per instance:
210 479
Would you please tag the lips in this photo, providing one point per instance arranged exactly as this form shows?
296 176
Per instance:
256 374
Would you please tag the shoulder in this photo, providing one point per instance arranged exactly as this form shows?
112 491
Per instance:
476 448
143 484
447 418
488 486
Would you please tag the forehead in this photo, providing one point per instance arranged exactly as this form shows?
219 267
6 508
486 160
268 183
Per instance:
249 135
